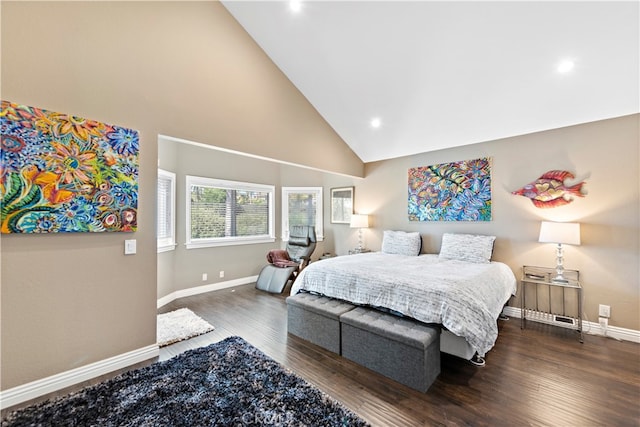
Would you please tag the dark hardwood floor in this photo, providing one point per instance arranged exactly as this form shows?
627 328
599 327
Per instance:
540 376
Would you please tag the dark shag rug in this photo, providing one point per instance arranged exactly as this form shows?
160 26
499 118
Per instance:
229 383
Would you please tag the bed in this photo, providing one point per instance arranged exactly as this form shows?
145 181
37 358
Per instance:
460 288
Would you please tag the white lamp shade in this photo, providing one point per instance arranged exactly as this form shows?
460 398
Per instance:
359 221
567 233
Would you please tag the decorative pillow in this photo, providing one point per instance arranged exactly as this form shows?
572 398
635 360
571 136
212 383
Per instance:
467 247
401 242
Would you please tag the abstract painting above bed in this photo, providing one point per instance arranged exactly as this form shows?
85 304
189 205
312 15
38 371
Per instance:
466 298
456 191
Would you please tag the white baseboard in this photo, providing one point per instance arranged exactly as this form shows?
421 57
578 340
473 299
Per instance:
205 288
35 389
590 328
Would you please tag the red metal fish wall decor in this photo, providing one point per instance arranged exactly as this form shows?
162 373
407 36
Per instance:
549 191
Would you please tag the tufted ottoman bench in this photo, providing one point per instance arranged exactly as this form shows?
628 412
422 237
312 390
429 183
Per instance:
402 349
316 318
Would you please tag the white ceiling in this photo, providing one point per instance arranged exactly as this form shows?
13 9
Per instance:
445 74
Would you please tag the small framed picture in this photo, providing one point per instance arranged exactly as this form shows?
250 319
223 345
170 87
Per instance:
341 205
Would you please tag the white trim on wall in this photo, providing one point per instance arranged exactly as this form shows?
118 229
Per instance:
255 156
205 288
35 389
590 328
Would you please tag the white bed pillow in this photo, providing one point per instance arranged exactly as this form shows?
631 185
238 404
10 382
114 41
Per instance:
401 243
467 247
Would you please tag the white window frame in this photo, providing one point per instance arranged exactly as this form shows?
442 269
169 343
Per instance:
167 243
319 210
193 243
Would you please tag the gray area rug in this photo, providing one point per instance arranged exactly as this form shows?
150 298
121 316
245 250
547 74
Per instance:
229 383
180 325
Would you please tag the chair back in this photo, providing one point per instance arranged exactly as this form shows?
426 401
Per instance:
302 243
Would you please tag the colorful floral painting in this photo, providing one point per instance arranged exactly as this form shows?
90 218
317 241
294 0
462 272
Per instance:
457 191
63 173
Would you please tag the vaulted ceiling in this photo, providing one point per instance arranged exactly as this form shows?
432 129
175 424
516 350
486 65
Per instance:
439 74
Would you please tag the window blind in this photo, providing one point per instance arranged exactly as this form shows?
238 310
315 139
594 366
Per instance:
165 214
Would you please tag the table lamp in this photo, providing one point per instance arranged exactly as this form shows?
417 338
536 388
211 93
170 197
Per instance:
359 221
567 233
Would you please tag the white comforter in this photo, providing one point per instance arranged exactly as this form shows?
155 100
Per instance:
466 298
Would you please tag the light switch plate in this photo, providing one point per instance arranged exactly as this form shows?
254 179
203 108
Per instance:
130 247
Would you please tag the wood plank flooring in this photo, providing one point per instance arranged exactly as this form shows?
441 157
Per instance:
540 376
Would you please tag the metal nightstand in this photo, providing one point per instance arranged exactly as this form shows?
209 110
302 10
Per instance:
541 277
358 251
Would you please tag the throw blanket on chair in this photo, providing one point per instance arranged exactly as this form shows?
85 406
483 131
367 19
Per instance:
280 258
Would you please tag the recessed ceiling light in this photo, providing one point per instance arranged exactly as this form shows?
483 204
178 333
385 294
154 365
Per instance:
566 66
295 5
375 122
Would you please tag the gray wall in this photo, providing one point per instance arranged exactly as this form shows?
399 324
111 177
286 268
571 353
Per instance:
187 69
182 268
604 154
173 68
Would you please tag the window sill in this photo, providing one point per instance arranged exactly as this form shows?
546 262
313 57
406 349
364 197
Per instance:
167 248
234 242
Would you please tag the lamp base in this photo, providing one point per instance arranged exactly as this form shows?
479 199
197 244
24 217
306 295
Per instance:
559 267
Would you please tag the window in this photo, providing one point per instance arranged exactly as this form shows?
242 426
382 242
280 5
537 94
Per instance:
302 206
166 220
228 212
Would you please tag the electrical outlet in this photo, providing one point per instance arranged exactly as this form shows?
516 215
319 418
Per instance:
221 274
604 310
604 323
204 277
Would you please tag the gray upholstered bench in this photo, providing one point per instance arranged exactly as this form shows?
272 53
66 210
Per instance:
316 318
402 349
